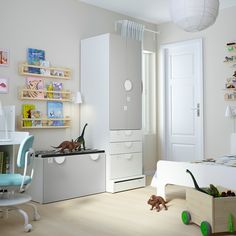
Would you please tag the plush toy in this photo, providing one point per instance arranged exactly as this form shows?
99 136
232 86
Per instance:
156 201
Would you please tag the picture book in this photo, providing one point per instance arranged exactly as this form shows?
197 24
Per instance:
34 56
35 116
1 162
49 89
57 86
26 112
44 71
6 163
55 110
35 84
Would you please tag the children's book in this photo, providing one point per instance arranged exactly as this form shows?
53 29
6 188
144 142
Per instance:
26 112
35 84
6 163
44 71
55 110
57 86
1 162
36 115
34 56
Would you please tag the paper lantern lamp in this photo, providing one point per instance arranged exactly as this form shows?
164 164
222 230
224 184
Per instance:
194 15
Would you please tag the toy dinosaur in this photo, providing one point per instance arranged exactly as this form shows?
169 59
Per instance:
80 139
211 190
70 145
156 201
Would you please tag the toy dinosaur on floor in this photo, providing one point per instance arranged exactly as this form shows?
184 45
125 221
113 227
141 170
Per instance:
80 139
156 201
70 145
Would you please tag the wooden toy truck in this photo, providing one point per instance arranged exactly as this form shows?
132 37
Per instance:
213 215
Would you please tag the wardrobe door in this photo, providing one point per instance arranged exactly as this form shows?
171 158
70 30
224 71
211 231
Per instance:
125 84
134 95
117 74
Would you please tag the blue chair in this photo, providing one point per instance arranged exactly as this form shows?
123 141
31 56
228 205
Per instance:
13 186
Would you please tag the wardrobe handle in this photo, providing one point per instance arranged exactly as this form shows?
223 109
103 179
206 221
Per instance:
128 144
128 132
128 157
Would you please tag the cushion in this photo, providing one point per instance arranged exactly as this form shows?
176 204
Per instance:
13 180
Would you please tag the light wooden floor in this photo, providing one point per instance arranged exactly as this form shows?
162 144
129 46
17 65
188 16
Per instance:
120 214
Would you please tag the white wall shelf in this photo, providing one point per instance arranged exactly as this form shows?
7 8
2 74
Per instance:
32 94
44 123
54 72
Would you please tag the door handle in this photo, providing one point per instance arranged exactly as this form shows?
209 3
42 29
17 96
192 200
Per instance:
197 109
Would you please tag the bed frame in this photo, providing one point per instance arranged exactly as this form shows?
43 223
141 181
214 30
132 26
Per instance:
170 172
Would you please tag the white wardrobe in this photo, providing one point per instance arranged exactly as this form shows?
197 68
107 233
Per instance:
112 106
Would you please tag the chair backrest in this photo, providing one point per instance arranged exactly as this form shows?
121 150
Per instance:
25 147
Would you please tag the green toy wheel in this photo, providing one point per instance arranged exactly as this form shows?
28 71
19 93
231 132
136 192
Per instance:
205 228
186 217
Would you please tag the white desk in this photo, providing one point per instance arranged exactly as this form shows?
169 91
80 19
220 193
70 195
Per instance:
9 146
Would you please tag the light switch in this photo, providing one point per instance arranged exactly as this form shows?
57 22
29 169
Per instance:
128 98
125 108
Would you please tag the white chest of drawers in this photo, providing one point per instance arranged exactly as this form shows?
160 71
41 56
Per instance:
124 162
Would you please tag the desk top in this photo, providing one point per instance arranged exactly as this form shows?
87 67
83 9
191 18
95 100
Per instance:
14 138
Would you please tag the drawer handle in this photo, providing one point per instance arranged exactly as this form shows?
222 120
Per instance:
94 157
128 157
60 160
128 132
128 144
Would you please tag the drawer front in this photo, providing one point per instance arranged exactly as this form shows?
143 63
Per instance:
125 147
125 135
125 165
73 176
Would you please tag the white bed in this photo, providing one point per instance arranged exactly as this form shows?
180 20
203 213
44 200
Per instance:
170 172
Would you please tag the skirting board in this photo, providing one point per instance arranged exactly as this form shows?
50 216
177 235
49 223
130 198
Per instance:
126 184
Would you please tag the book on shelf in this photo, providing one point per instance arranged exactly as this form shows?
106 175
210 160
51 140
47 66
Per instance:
1 162
26 113
49 91
57 86
34 56
35 84
44 71
35 116
55 111
4 163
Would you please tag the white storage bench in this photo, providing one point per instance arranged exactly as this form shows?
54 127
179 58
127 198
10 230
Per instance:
64 176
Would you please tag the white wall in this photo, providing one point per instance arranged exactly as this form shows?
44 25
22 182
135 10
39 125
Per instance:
217 127
57 26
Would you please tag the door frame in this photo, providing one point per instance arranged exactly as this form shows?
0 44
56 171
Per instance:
162 124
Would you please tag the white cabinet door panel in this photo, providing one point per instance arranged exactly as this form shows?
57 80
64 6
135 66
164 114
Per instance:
125 135
125 147
126 165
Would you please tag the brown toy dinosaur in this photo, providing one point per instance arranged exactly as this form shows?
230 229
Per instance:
70 145
156 201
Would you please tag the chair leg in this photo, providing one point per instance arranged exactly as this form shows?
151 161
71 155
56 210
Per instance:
4 213
36 215
27 226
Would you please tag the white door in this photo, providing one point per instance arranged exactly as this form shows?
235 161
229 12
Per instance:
184 101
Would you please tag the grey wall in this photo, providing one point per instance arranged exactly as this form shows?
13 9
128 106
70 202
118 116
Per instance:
57 26
217 127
